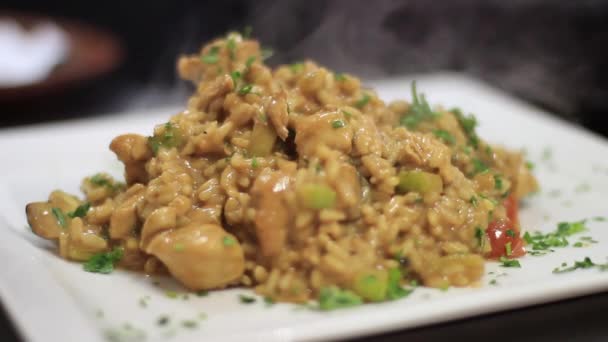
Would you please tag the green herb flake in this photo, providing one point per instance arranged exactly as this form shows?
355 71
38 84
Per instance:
347 114
296 67
228 241
508 248
599 219
231 46
190 324
338 124
81 211
246 89
249 61
468 124
419 110
162 320
493 282
246 299
171 294
506 262
511 232
474 202
479 166
498 182
338 76
530 165
578 244
331 298
104 262
445 136
479 236
202 293
586 263
364 100
60 216
268 301
212 56
254 163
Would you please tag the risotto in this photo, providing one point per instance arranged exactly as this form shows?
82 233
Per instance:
299 183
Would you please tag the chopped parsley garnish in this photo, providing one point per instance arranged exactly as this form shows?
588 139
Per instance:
163 320
268 301
171 294
81 211
479 236
179 247
236 77
60 216
189 324
445 136
211 57
493 282
171 137
347 114
497 182
338 124
474 201
363 101
246 89
228 241
419 110
331 298
479 166
599 219
202 293
468 124
511 232
231 46
100 180
249 61
506 262
586 263
543 243
104 262
338 76
530 165
254 163
246 299
296 67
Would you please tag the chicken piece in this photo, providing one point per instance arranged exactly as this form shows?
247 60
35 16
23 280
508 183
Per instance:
42 221
272 214
133 151
326 128
276 108
200 256
124 217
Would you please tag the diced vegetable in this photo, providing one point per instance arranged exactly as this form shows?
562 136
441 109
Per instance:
372 285
394 288
419 181
316 196
262 140
505 240
331 298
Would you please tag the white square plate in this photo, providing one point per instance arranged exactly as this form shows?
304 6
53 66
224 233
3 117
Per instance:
54 300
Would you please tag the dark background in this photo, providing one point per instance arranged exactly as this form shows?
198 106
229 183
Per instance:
551 53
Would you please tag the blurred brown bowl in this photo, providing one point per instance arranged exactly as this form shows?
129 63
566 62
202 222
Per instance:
92 53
